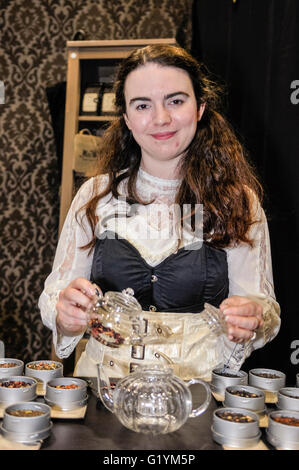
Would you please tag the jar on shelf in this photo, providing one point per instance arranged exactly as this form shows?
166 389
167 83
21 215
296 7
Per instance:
90 101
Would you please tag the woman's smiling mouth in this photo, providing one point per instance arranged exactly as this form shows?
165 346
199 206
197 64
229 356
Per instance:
163 135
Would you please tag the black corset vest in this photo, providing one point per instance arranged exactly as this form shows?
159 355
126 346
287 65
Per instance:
182 282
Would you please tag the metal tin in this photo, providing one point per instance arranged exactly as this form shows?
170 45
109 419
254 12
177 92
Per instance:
232 434
220 382
44 376
66 399
283 436
255 404
26 424
268 384
14 395
286 399
9 371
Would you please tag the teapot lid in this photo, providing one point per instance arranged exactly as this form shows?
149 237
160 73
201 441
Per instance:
121 302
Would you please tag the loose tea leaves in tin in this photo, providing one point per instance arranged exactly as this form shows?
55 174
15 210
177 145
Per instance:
15 384
23 413
66 387
235 417
289 420
227 374
44 366
266 375
244 394
6 365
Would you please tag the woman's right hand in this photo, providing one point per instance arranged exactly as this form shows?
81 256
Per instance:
74 300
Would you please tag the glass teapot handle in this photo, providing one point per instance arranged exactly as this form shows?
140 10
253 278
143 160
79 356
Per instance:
198 411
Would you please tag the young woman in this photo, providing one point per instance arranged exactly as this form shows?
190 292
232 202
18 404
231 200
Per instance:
168 158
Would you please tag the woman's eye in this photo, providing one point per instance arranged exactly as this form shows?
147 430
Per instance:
176 101
141 106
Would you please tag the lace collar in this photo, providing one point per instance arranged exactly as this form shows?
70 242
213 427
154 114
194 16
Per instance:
154 188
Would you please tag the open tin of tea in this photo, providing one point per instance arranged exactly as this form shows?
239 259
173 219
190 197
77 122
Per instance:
283 429
43 371
235 427
26 422
244 396
267 379
224 377
17 388
288 399
9 367
66 393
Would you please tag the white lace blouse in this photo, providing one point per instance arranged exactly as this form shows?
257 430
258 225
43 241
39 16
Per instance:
249 269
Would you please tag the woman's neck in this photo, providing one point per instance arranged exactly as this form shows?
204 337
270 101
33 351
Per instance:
164 170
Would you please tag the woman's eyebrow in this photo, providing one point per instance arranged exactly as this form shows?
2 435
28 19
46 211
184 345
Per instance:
166 97
171 95
139 98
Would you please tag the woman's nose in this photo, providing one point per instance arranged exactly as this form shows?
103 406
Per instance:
161 115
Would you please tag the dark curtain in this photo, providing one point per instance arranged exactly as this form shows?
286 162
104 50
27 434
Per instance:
253 46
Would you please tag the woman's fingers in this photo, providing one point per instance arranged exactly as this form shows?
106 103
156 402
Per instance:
72 314
75 297
250 323
243 317
85 286
73 302
239 335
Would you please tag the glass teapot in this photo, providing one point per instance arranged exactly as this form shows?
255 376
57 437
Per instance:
116 318
151 400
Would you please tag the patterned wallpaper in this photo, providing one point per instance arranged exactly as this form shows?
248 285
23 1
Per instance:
33 35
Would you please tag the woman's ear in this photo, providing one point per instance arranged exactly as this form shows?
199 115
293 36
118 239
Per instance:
201 111
127 121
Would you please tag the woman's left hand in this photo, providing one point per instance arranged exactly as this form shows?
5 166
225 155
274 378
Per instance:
243 316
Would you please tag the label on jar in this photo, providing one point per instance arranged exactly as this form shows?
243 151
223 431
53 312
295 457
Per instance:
108 103
90 102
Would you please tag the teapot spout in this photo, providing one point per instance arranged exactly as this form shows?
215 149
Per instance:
104 389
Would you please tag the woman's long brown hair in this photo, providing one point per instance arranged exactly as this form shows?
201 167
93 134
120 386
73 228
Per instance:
215 170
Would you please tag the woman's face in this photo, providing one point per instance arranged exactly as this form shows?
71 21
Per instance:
161 111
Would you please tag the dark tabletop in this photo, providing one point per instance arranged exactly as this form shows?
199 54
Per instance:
101 430
99 439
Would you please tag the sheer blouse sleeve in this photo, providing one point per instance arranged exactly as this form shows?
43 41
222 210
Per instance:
70 262
250 275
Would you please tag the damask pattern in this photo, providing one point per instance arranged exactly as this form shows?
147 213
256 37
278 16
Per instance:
33 35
